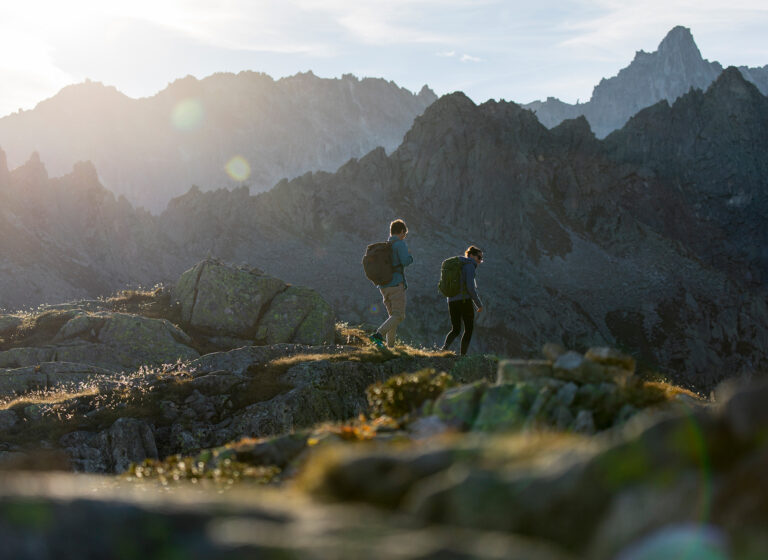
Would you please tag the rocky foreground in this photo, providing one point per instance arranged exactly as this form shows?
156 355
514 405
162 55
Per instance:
228 417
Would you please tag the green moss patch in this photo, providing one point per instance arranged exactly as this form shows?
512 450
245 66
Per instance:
404 393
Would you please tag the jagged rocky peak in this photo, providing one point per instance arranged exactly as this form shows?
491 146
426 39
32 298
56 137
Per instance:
33 171
574 132
427 94
664 74
731 84
679 40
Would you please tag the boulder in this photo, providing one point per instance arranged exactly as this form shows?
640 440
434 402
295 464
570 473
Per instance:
128 440
552 351
469 369
47 376
611 357
123 341
278 451
21 357
8 419
9 323
297 315
458 407
427 427
572 366
584 423
224 300
113 341
513 371
504 407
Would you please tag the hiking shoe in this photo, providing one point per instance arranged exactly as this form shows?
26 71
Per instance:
377 339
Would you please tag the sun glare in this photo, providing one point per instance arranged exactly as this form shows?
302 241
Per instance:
238 168
187 114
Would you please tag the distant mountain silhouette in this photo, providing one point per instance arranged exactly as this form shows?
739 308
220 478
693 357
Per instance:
666 74
651 240
69 237
155 148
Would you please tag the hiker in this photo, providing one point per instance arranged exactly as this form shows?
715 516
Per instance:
460 305
393 292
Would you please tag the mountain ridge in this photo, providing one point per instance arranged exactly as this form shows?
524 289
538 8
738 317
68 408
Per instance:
667 73
224 130
585 245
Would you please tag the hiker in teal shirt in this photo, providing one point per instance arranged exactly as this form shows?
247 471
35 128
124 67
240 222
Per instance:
400 259
393 293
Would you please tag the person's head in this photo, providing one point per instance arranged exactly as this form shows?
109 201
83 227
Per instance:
474 253
398 228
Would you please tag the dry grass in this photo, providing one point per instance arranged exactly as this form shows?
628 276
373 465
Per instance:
50 397
350 336
154 303
36 328
653 393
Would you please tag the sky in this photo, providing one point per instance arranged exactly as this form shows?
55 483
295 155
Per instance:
513 50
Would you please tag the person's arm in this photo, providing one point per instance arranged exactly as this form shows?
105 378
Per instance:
403 255
472 286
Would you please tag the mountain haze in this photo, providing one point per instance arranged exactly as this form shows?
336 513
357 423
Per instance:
155 148
665 74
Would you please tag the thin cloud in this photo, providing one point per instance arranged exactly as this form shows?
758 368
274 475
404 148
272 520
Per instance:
470 58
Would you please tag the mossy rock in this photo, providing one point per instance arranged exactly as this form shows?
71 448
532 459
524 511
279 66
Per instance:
299 315
514 371
224 300
401 394
469 369
458 406
504 407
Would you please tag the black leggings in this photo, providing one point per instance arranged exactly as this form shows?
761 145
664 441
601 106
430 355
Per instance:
460 310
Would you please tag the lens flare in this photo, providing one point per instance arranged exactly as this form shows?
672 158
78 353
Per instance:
238 168
187 114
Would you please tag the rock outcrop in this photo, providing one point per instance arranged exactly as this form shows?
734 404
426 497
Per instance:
224 307
245 303
685 478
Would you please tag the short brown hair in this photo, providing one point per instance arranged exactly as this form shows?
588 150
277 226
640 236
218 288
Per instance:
397 227
472 250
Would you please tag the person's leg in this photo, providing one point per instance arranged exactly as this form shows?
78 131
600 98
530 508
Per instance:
398 313
388 306
454 309
395 302
377 337
468 316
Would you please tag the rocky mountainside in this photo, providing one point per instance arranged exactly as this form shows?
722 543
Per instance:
588 242
69 237
711 144
584 245
666 74
155 148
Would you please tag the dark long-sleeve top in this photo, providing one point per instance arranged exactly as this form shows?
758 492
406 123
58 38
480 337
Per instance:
468 283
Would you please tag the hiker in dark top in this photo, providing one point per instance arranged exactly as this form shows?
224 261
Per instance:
393 293
461 305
